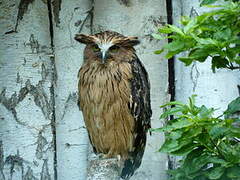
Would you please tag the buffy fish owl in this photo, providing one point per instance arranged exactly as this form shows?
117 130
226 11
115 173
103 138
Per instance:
114 96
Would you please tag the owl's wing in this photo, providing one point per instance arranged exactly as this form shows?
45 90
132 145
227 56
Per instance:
140 108
140 87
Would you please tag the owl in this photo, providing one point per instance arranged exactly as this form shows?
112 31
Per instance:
114 97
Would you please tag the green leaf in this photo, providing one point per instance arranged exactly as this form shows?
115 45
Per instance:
165 128
234 172
234 132
233 107
217 160
192 132
170 111
219 62
174 126
205 41
173 103
157 36
174 135
207 2
177 174
176 29
218 131
183 151
205 112
199 53
171 145
165 30
215 173
223 34
185 20
186 60
182 124
195 161
174 45
158 51
190 25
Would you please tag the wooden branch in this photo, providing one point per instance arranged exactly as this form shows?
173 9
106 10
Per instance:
104 169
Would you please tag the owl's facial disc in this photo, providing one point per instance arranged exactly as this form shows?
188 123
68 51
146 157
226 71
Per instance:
104 47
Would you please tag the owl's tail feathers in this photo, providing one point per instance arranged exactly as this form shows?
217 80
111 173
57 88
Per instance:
132 164
135 158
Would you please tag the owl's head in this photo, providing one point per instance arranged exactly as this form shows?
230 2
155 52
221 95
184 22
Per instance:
107 46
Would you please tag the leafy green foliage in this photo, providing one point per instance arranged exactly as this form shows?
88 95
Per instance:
213 34
209 145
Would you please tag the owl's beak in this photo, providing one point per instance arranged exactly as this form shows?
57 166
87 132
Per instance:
104 56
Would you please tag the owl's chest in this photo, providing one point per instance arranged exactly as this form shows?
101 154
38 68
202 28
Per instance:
99 84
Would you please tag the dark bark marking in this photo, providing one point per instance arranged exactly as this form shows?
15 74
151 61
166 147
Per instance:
72 99
10 32
22 9
193 12
24 61
195 77
41 99
157 21
35 47
33 43
1 161
29 175
171 76
15 161
38 93
18 80
124 2
12 102
238 86
90 16
45 175
44 72
171 62
41 143
56 7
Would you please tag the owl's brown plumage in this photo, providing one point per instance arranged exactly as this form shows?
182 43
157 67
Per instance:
114 96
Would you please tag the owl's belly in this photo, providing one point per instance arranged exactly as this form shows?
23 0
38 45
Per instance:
104 101
110 128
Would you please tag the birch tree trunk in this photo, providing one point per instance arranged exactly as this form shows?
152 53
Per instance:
142 18
70 17
26 100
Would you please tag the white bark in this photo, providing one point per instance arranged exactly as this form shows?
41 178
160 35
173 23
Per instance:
141 18
71 135
213 89
26 103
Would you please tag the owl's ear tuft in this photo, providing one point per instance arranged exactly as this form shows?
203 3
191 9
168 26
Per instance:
82 38
131 41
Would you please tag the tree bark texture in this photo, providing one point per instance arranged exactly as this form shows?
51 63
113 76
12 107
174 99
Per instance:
42 132
71 134
26 98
